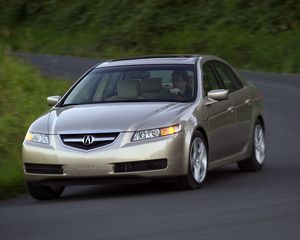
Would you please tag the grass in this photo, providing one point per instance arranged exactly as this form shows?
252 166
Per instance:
23 93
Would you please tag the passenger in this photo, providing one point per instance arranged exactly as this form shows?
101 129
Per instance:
180 88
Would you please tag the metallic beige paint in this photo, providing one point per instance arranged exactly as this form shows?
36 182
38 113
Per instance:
228 125
52 100
218 94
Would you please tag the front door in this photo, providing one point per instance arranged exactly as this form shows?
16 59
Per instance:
242 103
221 119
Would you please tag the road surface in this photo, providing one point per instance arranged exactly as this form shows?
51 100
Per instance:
232 205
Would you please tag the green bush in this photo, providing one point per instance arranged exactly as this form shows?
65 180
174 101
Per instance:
257 35
23 95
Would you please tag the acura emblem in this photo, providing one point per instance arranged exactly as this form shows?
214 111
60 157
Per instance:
87 140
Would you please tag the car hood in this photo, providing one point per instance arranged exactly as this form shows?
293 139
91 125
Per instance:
107 117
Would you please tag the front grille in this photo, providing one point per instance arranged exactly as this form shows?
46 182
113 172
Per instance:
138 166
88 141
43 168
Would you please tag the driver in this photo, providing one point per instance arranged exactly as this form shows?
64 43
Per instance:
180 84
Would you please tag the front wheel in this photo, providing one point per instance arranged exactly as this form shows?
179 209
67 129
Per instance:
42 192
198 163
258 154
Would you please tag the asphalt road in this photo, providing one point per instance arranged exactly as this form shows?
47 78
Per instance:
232 205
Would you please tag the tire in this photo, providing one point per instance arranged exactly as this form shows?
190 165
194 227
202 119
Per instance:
258 152
195 179
41 192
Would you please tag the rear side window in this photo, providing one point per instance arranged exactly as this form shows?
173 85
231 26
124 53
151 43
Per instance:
210 81
227 76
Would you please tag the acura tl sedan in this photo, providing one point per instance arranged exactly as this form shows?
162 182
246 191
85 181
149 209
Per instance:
145 118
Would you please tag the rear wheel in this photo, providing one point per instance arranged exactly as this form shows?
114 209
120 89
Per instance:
198 163
258 155
42 192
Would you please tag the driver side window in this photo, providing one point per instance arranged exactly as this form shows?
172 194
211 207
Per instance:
210 81
227 76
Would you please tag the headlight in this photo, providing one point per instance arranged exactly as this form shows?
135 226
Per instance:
157 132
37 137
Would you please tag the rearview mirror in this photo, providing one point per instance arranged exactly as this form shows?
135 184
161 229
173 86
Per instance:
52 100
216 95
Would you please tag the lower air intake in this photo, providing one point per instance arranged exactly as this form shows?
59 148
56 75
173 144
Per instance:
43 168
139 166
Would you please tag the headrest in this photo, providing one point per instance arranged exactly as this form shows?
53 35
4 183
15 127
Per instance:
151 85
129 88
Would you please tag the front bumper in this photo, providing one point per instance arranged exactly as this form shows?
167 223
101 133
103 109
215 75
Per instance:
101 162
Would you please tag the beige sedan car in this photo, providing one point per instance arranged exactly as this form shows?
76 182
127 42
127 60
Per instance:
146 118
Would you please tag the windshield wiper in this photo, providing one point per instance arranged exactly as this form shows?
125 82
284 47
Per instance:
128 101
71 104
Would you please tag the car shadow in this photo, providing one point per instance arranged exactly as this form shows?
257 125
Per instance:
218 180
117 191
221 176
227 173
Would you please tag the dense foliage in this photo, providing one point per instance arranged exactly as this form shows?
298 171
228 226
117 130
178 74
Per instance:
257 35
22 99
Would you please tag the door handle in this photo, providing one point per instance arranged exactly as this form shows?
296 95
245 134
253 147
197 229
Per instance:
248 101
231 109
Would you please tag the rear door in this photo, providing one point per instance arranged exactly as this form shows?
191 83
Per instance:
241 98
221 118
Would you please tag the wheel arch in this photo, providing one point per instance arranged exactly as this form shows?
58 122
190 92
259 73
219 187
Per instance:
261 119
203 132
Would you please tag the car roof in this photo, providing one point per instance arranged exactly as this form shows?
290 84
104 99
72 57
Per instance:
152 59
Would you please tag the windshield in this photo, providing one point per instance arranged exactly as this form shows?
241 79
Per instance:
135 84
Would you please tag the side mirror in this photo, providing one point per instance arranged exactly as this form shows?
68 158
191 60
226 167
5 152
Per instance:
216 95
52 100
